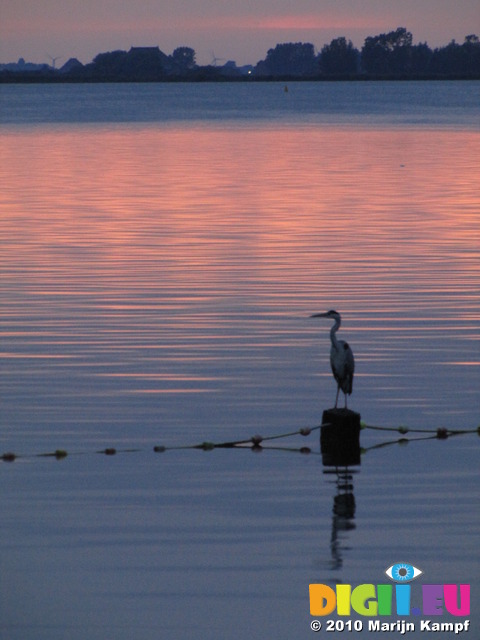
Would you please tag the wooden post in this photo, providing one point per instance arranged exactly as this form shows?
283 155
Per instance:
340 438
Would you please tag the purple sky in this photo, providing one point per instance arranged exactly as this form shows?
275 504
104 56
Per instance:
241 31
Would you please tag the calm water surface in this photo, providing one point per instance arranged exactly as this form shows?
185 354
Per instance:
161 250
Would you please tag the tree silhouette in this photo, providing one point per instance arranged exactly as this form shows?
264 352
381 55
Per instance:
339 58
110 64
455 59
388 53
184 58
289 59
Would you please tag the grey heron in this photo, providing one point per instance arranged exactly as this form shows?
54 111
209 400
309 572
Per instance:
341 357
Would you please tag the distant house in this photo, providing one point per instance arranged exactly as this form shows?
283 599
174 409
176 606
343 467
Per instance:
152 52
71 66
21 66
146 63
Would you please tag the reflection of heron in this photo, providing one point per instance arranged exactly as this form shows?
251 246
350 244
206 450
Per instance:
341 357
343 515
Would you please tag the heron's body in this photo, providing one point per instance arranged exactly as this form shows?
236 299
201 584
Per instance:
341 357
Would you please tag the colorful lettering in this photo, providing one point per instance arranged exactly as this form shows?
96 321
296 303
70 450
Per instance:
362 601
322 599
432 599
373 600
451 600
384 595
343 599
402 595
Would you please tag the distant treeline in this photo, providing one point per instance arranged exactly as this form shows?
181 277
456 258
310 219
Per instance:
385 56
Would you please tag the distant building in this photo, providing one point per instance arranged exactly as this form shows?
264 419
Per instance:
147 63
71 66
145 51
21 66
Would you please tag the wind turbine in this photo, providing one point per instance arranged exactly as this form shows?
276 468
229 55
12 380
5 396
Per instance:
53 59
215 59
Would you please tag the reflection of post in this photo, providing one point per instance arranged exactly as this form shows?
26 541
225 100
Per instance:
340 446
340 438
343 514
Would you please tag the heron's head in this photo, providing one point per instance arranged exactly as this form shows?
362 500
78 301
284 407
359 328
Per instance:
328 314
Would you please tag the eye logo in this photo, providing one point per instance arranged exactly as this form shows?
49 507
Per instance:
403 572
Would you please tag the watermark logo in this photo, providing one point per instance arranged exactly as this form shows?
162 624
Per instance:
403 572
386 599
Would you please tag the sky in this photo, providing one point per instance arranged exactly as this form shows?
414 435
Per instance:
226 29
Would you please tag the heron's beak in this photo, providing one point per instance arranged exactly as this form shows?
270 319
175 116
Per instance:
319 315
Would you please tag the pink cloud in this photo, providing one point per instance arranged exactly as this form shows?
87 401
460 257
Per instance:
279 22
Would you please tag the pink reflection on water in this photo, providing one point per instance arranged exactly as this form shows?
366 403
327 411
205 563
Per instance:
196 242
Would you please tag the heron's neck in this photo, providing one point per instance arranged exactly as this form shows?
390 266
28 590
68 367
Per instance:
333 331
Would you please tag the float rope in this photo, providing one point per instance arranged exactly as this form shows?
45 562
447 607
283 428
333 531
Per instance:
256 442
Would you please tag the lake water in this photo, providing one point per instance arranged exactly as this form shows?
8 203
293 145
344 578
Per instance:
161 250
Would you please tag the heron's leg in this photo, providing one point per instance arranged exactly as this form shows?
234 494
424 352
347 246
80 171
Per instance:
336 399
346 401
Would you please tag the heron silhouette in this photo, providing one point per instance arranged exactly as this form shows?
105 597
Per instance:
341 357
